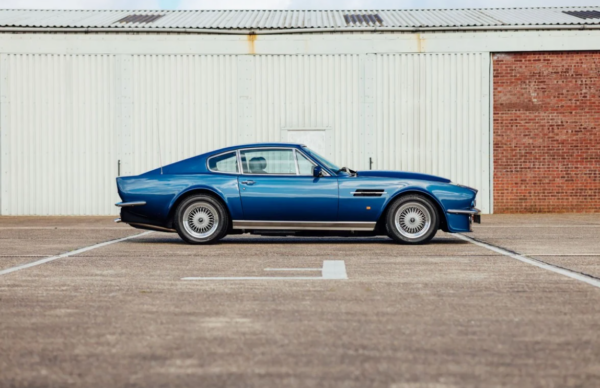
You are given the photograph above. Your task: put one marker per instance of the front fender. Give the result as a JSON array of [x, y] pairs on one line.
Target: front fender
[[417, 190], [446, 197]]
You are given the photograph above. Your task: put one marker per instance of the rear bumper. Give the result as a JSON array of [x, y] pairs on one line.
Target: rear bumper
[[128, 216], [129, 204]]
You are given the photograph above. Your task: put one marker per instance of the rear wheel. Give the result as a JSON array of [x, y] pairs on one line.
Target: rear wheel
[[201, 219], [412, 219]]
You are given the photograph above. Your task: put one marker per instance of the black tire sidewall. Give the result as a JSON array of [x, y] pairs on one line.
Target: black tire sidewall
[[391, 224], [223, 220]]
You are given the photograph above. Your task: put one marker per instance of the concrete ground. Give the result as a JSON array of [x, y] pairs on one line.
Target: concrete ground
[[447, 314]]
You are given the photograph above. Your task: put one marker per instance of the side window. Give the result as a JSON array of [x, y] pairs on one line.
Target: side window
[[264, 161], [224, 163], [305, 166]]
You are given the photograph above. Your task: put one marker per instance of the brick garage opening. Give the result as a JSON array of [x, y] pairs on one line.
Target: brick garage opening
[[547, 132]]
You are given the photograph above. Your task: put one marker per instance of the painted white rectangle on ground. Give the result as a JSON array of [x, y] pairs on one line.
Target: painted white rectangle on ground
[[331, 270]]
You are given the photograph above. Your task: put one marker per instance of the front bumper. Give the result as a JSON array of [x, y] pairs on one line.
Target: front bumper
[[473, 213]]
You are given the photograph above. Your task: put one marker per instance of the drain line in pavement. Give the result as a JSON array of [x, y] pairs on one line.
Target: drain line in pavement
[[67, 254], [582, 277]]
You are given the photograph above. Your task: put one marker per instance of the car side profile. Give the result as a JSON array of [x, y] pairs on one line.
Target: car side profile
[[288, 189]]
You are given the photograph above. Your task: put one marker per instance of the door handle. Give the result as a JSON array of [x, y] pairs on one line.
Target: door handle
[[249, 183]]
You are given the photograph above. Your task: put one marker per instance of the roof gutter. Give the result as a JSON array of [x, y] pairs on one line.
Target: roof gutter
[[298, 30]]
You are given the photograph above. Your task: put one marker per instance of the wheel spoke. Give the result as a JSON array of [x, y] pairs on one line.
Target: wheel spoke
[[413, 220], [200, 220]]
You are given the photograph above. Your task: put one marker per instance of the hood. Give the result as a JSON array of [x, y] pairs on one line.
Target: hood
[[403, 175]]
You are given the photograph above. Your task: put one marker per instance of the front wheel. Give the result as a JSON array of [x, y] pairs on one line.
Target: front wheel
[[201, 219], [412, 219]]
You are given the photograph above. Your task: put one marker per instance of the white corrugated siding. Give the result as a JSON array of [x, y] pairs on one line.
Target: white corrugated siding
[[67, 120], [430, 114], [311, 91], [189, 102], [195, 104], [58, 134]]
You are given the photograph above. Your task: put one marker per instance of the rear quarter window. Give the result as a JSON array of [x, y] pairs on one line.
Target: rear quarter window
[[226, 163]]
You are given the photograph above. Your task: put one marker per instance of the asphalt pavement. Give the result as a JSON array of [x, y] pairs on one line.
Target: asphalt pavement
[[448, 314]]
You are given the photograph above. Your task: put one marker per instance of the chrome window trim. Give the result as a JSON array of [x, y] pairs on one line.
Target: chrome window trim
[[296, 162], [240, 165], [263, 148], [294, 150], [239, 157], [223, 172], [325, 170]]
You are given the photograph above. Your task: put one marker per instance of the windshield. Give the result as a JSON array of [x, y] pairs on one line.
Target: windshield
[[322, 160]]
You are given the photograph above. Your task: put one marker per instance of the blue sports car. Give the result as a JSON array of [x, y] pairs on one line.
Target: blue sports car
[[288, 189]]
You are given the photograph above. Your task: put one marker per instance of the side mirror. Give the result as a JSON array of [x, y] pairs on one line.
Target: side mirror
[[317, 171]]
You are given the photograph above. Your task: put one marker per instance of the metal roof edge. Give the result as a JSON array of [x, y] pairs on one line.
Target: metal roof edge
[[290, 10], [275, 31]]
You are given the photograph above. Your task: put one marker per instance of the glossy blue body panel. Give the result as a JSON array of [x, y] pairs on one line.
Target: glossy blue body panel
[[289, 198], [162, 191]]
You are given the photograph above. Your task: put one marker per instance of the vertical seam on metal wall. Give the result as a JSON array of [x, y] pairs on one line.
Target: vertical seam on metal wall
[[127, 113], [3, 132], [491, 129]]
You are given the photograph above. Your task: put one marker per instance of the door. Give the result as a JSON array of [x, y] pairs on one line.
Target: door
[[277, 185]]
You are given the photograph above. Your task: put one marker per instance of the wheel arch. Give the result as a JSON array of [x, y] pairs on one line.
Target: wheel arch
[[197, 191], [438, 207]]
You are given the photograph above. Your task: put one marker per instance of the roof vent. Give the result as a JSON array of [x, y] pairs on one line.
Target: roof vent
[[139, 18], [594, 14], [370, 19]]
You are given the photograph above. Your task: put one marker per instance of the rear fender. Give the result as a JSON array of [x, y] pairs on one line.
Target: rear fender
[[196, 190]]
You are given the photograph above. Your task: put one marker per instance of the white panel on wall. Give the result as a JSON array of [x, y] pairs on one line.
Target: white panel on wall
[[432, 116], [311, 91], [66, 120], [58, 134], [188, 103], [195, 104]]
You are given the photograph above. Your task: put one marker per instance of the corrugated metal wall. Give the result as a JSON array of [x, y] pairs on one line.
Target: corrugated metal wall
[[189, 103], [58, 144], [430, 113], [67, 120]]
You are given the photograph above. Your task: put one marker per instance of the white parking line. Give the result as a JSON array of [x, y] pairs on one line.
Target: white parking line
[[549, 267], [562, 254], [72, 253], [293, 269], [332, 270]]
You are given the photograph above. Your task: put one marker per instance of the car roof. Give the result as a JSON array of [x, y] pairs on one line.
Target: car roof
[[256, 145]]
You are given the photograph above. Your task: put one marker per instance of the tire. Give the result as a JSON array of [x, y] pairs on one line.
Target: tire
[[201, 219], [412, 219]]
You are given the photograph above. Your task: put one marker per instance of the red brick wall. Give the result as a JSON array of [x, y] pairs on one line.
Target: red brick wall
[[547, 132]]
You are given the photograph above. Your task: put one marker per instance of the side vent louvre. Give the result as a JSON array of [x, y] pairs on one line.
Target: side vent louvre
[[368, 193]]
